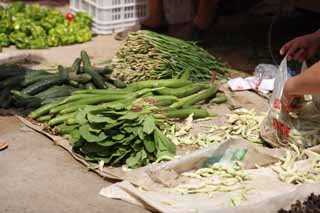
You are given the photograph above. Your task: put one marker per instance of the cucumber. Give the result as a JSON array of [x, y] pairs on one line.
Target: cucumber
[[103, 91], [96, 78], [76, 66], [65, 129], [30, 79], [81, 78], [219, 99], [60, 119], [184, 113], [171, 83], [88, 101], [195, 98], [51, 100], [5, 98], [77, 97], [89, 86], [44, 118], [43, 85], [185, 75], [43, 110], [71, 109], [10, 70], [182, 91], [117, 83], [11, 81], [163, 100], [107, 70], [56, 91]]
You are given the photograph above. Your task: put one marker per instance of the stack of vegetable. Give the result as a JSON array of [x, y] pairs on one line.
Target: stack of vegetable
[[22, 87], [118, 133], [117, 126], [31, 26], [179, 102], [148, 55]]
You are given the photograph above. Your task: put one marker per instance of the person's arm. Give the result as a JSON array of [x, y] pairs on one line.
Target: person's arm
[[307, 82], [301, 47]]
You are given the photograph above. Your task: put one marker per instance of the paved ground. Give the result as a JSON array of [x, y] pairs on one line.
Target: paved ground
[[36, 176]]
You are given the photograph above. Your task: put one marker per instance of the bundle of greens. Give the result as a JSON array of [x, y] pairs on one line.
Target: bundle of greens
[[148, 55], [35, 27], [118, 133]]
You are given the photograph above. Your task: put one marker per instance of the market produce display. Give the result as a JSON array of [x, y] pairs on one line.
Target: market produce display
[[289, 172], [312, 204], [119, 126], [148, 55], [218, 177], [27, 88], [241, 123], [35, 27]]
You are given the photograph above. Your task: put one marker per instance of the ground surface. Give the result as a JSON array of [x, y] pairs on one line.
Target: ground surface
[[36, 176]]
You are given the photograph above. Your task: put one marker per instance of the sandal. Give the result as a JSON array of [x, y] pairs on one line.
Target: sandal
[[3, 146]]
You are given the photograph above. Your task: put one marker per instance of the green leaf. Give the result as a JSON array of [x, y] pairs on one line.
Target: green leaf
[[110, 126], [149, 124], [130, 116], [81, 117], [118, 137], [100, 119], [149, 145], [163, 143], [93, 166], [75, 135], [140, 133], [88, 136], [133, 160], [107, 143]]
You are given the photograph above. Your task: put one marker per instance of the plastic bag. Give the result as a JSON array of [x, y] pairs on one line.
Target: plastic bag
[[303, 128]]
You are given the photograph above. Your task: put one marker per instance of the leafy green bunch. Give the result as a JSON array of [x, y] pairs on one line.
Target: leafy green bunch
[[118, 134], [36, 27]]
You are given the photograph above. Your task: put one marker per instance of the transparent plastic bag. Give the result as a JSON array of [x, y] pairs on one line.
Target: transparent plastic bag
[[303, 128]]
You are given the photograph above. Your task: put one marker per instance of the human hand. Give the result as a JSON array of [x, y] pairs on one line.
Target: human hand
[[301, 47], [289, 101]]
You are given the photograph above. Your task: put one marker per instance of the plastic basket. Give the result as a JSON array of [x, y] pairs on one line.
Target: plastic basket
[[112, 15]]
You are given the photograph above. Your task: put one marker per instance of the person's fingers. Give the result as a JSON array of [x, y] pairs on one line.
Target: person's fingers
[[300, 55], [292, 50], [285, 48]]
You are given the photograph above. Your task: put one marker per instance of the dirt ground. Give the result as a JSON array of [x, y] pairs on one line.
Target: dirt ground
[[36, 176]]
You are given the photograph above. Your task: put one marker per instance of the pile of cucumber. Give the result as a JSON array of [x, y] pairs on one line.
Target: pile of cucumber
[[25, 88], [177, 98]]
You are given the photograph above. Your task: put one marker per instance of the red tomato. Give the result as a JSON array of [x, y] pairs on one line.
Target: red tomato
[[69, 16]]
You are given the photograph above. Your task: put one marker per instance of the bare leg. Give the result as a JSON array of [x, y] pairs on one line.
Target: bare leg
[[155, 14]]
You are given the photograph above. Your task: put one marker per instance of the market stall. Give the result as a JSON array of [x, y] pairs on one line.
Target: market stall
[[161, 118]]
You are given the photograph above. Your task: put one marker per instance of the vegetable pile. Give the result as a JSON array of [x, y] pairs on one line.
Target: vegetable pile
[[289, 172], [242, 123], [218, 177], [35, 27], [23, 87], [147, 90], [118, 133], [104, 123], [148, 55], [312, 204]]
